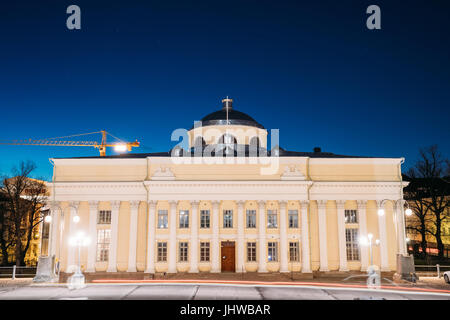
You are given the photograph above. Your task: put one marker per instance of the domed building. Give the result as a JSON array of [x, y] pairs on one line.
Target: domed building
[[222, 200]]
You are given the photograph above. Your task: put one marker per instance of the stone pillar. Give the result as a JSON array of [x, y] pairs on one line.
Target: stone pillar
[[401, 233], [363, 233], [112, 261], [383, 239], [340, 205], [132, 246], [240, 237], [262, 259], [322, 205], [306, 261], [173, 237], [215, 245], [54, 227], [283, 238], [194, 237], [151, 237], [93, 209], [73, 206]]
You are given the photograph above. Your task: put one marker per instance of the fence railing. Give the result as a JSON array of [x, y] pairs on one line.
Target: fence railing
[[431, 270], [14, 272]]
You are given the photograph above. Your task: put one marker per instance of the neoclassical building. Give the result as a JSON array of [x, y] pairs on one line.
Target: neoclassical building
[[222, 200]]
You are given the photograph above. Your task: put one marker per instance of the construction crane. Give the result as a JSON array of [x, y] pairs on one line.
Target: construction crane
[[120, 146]]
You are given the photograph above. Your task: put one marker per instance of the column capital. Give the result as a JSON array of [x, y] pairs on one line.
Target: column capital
[[322, 204], [134, 204], [115, 204], [173, 202], [74, 204], [215, 204], [361, 204], [195, 203], [304, 203], [261, 203], [152, 203], [340, 204], [240, 203], [282, 204], [93, 204]]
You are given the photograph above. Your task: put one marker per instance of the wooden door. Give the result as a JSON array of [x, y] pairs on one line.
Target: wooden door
[[228, 256]]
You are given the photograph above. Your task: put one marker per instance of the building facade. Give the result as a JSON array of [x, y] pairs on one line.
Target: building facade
[[224, 201]]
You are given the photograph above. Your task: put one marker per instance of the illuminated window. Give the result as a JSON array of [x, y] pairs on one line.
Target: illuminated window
[[293, 251], [251, 219], [183, 252], [104, 217], [103, 241], [204, 219], [272, 219], [162, 252], [228, 218], [184, 219], [352, 245], [293, 218], [251, 251], [204, 251], [351, 216], [272, 251], [162, 219]]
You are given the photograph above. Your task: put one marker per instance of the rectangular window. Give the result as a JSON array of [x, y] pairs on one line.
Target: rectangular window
[[204, 251], [272, 219], [351, 216], [204, 219], [184, 219], [228, 218], [294, 251], [272, 251], [104, 217], [183, 252], [162, 252], [103, 240], [293, 218], [251, 251], [351, 241], [251, 219], [163, 221]]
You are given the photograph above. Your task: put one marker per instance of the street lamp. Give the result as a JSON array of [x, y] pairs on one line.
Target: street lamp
[[367, 241], [373, 276], [77, 280]]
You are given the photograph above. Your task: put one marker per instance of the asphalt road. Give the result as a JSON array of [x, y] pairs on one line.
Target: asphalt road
[[207, 292]]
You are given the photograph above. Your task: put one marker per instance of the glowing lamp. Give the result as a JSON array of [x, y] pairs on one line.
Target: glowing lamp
[[408, 212], [48, 219]]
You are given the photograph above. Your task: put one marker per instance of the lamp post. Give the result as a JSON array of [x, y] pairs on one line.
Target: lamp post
[[77, 280], [374, 278]]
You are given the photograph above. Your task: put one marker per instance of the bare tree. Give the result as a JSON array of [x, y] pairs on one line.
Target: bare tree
[[429, 173], [25, 199], [5, 240]]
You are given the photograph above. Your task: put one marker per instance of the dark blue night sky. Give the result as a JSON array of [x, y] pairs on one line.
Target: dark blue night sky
[[141, 69]]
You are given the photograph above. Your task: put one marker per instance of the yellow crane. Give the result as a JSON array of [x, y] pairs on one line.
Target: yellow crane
[[120, 146]]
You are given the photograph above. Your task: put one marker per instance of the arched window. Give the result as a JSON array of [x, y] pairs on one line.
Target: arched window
[[254, 147], [229, 144], [199, 142], [227, 139]]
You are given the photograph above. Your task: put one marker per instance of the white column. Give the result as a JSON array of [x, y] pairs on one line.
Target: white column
[[306, 261], [112, 261], [215, 245], [151, 237], [322, 205], [401, 232], [173, 237], [194, 237], [93, 207], [72, 230], [132, 246], [383, 239], [240, 236], [262, 259], [363, 233], [340, 205], [53, 232], [283, 238]]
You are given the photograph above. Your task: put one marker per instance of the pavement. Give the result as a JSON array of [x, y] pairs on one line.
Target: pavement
[[179, 289]]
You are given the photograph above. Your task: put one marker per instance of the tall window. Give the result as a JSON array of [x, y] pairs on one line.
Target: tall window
[[293, 251], [104, 217], [162, 252], [251, 251], [204, 251], [272, 251], [228, 218], [184, 218], [183, 252], [351, 216], [162, 219], [251, 219], [271, 218], [103, 240], [293, 218], [351, 239], [204, 219]]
